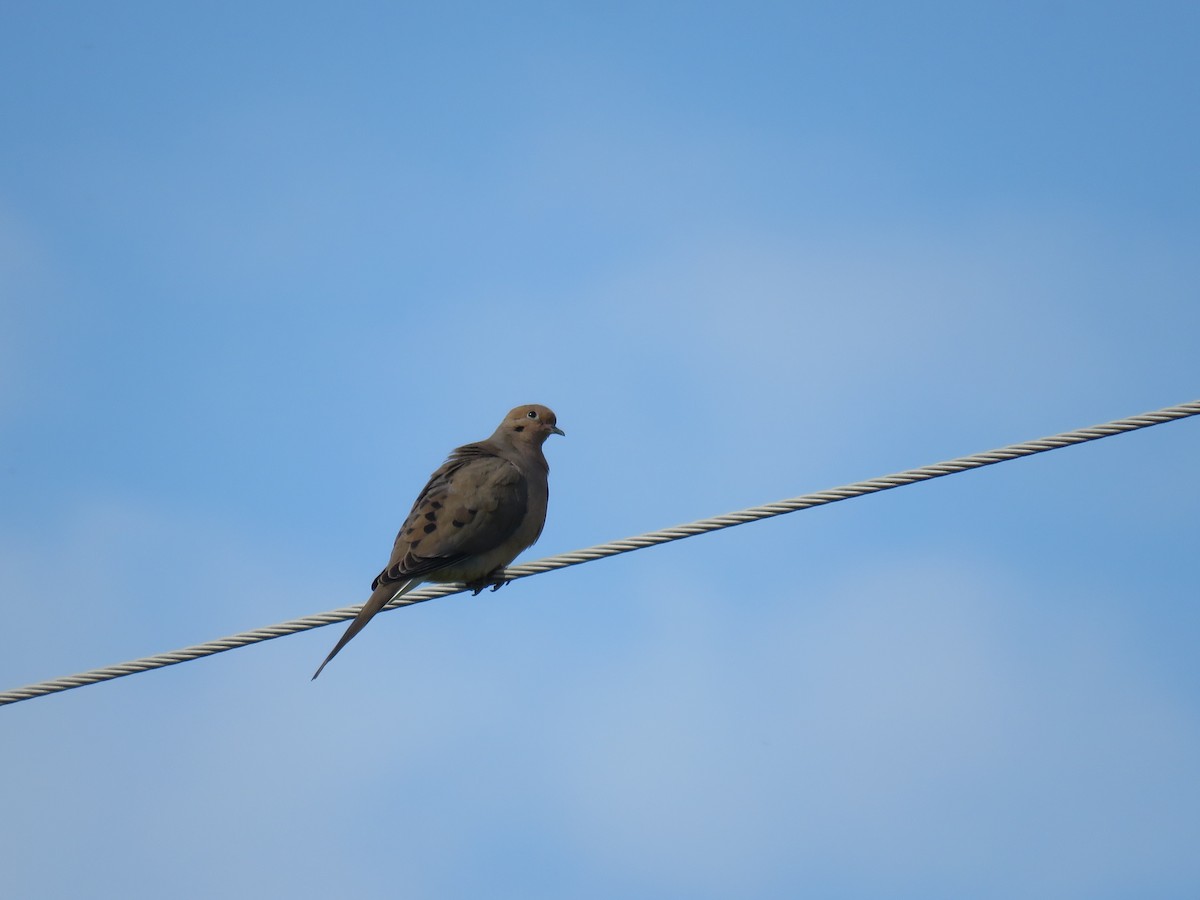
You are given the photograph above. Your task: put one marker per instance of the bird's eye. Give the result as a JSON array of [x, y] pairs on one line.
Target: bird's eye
[[532, 414]]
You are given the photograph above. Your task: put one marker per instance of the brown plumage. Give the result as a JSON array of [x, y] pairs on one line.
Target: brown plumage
[[484, 505]]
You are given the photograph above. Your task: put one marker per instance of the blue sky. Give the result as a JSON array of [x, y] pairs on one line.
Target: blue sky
[[262, 266]]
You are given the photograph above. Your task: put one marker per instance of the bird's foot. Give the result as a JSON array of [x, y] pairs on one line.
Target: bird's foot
[[495, 581]]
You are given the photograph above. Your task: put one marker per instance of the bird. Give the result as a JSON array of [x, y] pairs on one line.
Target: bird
[[482, 507]]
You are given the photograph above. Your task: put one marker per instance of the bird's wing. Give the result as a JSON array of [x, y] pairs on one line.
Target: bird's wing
[[471, 506]]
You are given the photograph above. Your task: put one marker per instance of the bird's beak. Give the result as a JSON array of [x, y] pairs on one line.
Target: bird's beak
[[554, 429]]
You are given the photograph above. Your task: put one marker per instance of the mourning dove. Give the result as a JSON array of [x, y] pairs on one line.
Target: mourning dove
[[484, 505]]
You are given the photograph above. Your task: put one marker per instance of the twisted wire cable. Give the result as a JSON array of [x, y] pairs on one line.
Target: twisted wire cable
[[625, 545]]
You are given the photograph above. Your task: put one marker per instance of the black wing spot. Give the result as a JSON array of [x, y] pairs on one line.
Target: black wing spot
[[458, 524], [430, 528], [431, 516]]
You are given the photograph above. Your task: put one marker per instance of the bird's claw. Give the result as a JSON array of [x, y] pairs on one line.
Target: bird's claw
[[478, 587]]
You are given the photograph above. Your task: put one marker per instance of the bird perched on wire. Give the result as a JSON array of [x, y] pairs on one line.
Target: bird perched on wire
[[484, 505]]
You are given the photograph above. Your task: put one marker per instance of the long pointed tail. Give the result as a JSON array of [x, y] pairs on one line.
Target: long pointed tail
[[382, 596]]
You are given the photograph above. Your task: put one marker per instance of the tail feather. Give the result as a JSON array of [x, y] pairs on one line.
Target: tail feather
[[382, 596]]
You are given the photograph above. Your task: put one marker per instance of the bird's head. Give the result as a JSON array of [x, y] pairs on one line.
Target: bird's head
[[531, 423]]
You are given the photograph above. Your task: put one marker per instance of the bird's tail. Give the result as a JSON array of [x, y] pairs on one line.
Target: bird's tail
[[383, 595]]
